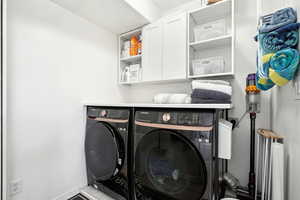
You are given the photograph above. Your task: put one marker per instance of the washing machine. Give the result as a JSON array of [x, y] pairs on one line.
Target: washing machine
[[174, 155], [106, 150]]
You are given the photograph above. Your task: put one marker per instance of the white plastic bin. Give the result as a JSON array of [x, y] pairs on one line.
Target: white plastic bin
[[225, 139], [126, 44], [125, 53], [210, 30], [212, 65], [135, 72]]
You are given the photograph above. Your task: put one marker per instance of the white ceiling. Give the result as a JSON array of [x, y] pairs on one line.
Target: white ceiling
[[114, 15], [165, 5]]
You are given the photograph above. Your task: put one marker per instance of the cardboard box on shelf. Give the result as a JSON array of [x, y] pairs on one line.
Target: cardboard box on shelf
[[212, 1]]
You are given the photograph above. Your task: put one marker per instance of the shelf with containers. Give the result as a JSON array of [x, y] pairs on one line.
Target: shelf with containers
[[130, 57], [211, 41]]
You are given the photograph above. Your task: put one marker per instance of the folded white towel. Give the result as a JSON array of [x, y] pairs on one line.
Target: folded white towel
[[210, 86], [220, 82], [160, 98], [172, 99]]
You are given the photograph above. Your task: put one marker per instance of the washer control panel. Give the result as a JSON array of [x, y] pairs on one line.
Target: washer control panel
[[203, 118], [188, 119]]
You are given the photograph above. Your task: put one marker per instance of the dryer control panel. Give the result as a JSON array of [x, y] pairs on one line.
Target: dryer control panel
[[203, 118], [95, 112]]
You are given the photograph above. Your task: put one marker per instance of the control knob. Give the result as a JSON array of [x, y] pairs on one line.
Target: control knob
[[103, 113], [166, 117]]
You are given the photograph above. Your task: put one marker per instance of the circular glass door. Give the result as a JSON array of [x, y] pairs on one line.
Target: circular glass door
[[168, 166], [102, 151]]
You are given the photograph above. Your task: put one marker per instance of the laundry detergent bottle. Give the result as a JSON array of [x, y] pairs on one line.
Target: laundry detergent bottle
[[134, 46]]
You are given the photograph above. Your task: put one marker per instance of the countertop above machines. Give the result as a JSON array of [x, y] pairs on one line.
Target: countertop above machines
[[149, 105]]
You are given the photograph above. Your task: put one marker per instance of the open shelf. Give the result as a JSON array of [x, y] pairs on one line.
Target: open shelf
[[210, 43], [129, 83], [129, 62], [221, 8], [131, 59], [222, 16], [185, 80]]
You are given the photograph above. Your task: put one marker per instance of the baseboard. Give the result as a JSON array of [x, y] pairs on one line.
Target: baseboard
[[70, 193]]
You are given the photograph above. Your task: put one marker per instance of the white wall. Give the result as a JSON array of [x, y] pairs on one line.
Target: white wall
[[286, 117], [4, 101], [55, 61], [245, 63], [246, 19], [285, 121]]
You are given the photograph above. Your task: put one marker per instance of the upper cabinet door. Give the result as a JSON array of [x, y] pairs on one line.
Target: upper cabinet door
[[152, 52], [175, 47]]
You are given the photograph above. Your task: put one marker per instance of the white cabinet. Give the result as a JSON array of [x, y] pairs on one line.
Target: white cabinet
[[175, 47], [152, 52], [164, 50]]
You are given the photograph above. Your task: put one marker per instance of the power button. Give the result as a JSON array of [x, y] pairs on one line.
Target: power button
[[103, 113], [166, 117]]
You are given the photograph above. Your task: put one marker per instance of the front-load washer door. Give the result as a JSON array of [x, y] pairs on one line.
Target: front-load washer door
[[168, 166], [103, 154]]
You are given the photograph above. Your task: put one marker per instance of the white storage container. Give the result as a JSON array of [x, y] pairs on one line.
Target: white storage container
[[135, 72], [225, 139], [204, 2], [212, 65], [210, 30], [126, 44], [125, 53], [125, 75]]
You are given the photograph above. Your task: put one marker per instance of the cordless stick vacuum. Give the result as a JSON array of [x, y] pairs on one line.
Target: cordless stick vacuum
[[253, 107]]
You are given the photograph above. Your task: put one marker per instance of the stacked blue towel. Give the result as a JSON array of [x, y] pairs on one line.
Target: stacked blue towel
[[277, 58], [278, 19], [284, 37]]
